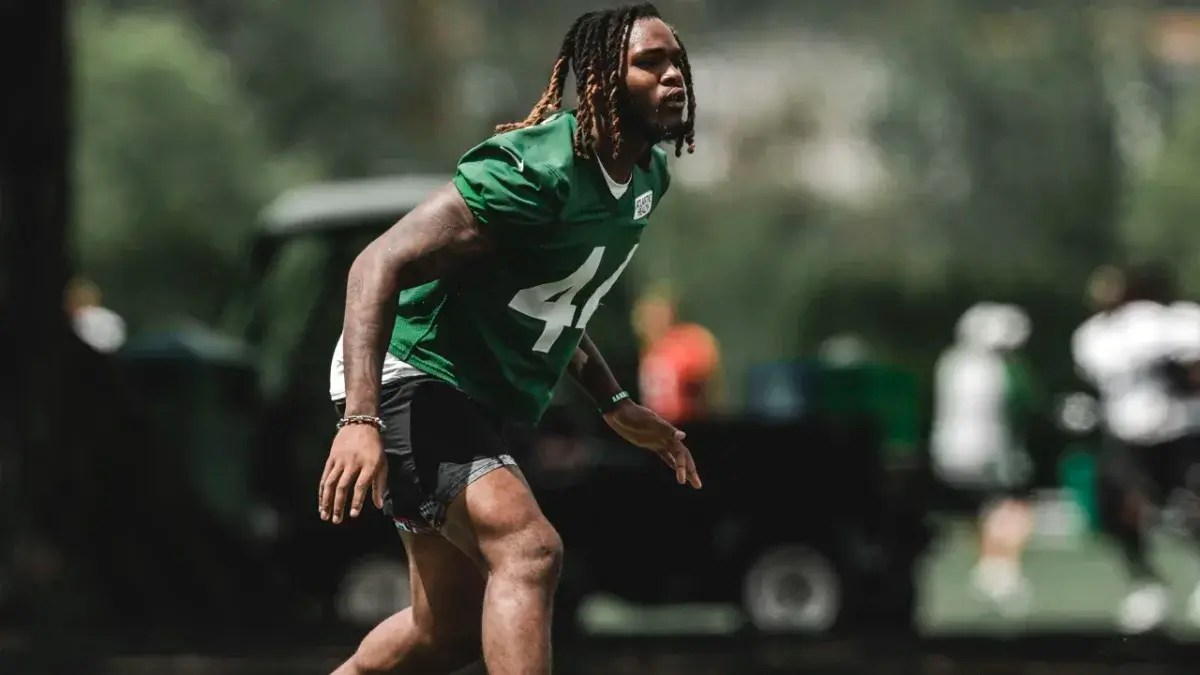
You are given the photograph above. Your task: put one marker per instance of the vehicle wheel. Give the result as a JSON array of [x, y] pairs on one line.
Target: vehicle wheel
[[372, 589], [792, 589]]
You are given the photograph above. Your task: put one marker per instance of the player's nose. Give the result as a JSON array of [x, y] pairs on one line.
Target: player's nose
[[672, 78]]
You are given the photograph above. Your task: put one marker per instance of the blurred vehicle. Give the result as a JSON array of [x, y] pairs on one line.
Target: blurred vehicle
[[795, 526], [241, 406]]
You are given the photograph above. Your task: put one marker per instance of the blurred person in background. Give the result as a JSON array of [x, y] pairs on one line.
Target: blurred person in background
[[678, 373], [96, 325], [1141, 353], [462, 318], [983, 401]]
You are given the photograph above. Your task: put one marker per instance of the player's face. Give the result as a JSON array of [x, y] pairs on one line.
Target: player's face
[[656, 98]]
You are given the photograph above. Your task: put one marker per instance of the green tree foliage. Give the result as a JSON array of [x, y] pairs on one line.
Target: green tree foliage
[[1164, 217], [369, 87], [170, 167], [1004, 176], [1002, 134]]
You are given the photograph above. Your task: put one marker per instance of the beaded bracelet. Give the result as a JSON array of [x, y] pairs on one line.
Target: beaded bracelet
[[363, 419]]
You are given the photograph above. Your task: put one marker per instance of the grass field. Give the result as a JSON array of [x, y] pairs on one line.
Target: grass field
[[1077, 585]]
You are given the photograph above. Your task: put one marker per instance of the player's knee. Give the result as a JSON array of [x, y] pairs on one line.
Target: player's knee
[[451, 635], [371, 661], [535, 555], [445, 649], [383, 653], [541, 558], [450, 650]]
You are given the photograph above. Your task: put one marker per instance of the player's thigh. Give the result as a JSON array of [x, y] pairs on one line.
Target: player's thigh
[[475, 495], [497, 518], [447, 588], [438, 441]]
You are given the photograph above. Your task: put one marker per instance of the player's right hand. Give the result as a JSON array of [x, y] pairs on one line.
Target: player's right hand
[[356, 461]]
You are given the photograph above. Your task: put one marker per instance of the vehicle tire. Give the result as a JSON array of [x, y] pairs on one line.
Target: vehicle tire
[[792, 588]]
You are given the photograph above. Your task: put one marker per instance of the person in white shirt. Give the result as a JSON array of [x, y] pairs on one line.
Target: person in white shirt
[[96, 325], [1141, 355], [982, 399]]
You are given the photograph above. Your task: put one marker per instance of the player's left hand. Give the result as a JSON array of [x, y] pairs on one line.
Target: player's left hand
[[644, 428]]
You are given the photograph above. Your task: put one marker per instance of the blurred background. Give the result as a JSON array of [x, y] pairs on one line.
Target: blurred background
[[863, 299]]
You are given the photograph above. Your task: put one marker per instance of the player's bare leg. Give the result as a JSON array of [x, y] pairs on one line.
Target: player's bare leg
[[439, 633], [498, 517], [1125, 511], [1005, 529]]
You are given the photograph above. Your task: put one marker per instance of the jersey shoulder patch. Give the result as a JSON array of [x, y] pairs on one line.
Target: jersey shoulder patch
[[643, 205]]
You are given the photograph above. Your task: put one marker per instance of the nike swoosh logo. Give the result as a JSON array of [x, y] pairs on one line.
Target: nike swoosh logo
[[520, 160]]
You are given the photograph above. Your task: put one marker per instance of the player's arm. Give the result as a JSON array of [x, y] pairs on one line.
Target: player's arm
[[635, 423], [432, 240], [592, 373]]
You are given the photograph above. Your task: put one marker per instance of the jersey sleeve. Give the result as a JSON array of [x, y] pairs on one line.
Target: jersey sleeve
[[509, 195]]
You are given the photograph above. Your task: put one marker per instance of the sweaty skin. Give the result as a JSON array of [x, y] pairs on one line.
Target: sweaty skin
[[497, 555]]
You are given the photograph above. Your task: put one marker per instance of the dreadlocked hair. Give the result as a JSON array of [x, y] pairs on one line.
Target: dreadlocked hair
[[594, 48]]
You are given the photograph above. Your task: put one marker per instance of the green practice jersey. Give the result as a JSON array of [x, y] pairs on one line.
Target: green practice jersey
[[504, 329]]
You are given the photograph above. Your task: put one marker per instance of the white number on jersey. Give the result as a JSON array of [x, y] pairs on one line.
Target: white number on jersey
[[553, 302]]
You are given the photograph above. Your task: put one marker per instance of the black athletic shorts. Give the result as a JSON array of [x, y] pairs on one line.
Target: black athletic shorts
[[438, 440]]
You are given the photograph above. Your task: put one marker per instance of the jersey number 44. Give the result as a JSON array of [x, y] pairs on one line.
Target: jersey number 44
[[554, 302]]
